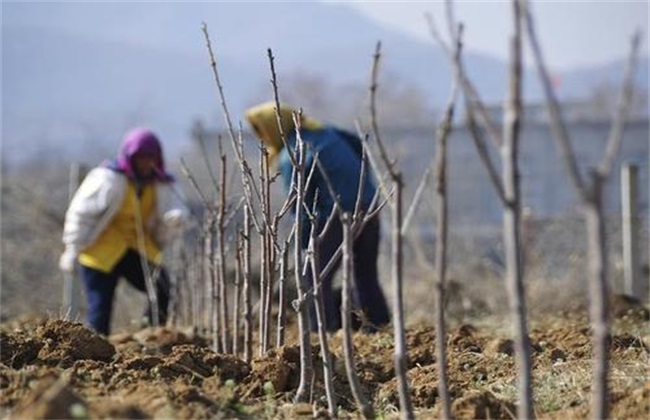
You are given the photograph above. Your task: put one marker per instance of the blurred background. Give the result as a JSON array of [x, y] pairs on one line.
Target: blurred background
[[77, 75]]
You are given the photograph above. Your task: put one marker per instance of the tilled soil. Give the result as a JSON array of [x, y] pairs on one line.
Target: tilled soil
[[58, 369]]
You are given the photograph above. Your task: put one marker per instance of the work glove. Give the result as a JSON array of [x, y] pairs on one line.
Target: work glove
[[68, 259], [171, 226], [174, 219]]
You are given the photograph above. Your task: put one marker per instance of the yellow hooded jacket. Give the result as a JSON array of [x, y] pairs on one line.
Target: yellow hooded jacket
[[264, 121]]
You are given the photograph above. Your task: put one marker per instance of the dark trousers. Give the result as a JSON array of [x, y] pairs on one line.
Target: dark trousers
[[100, 290], [367, 295]]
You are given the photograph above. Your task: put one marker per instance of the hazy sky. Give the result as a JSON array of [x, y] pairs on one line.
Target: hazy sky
[[573, 33]]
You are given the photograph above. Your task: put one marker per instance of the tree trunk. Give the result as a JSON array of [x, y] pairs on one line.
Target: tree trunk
[[363, 404], [441, 266], [406, 409], [599, 295], [306, 365], [321, 320]]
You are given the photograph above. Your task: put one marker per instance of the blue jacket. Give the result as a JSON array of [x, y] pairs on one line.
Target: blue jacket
[[339, 154]]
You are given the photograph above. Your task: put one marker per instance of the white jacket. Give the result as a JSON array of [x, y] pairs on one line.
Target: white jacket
[[98, 199]]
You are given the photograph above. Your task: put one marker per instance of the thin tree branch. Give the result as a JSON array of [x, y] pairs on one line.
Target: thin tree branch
[[276, 98], [624, 102], [400, 354], [188, 174], [470, 92], [416, 199], [558, 126], [247, 178]]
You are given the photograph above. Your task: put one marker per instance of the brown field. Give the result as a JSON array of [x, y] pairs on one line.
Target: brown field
[[57, 369]]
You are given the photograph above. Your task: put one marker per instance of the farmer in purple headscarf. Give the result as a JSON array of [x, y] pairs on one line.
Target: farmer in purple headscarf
[[118, 222]]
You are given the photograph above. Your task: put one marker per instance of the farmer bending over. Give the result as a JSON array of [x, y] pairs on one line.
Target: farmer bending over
[[340, 156], [117, 224]]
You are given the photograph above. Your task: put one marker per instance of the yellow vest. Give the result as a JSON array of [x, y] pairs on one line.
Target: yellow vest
[[120, 234]]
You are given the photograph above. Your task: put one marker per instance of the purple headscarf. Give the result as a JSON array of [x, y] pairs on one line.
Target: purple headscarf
[[142, 141]]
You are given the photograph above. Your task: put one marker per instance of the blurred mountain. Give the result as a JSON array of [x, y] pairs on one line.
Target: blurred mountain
[[76, 75], [584, 82]]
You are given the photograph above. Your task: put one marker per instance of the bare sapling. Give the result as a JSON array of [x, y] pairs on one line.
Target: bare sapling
[[512, 221], [507, 187], [176, 272], [282, 310], [211, 278], [363, 403], [442, 224], [302, 301], [251, 191], [265, 261], [174, 316], [200, 293], [355, 223], [190, 287], [590, 191], [246, 272], [272, 248], [237, 295], [351, 225], [186, 284], [297, 196], [283, 251], [149, 279], [189, 299], [406, 408], [268, 229], [252, 194], [218, 216], [220, 266], [71, 292], [317, 297], [214, 251], [215, 226], [209, 268], [203, 314]]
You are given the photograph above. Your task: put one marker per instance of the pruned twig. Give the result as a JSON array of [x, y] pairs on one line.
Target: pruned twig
[[400, 355], [444, 129], [363, 403]]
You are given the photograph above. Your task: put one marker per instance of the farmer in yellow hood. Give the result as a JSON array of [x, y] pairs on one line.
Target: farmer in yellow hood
[[340, 155]]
